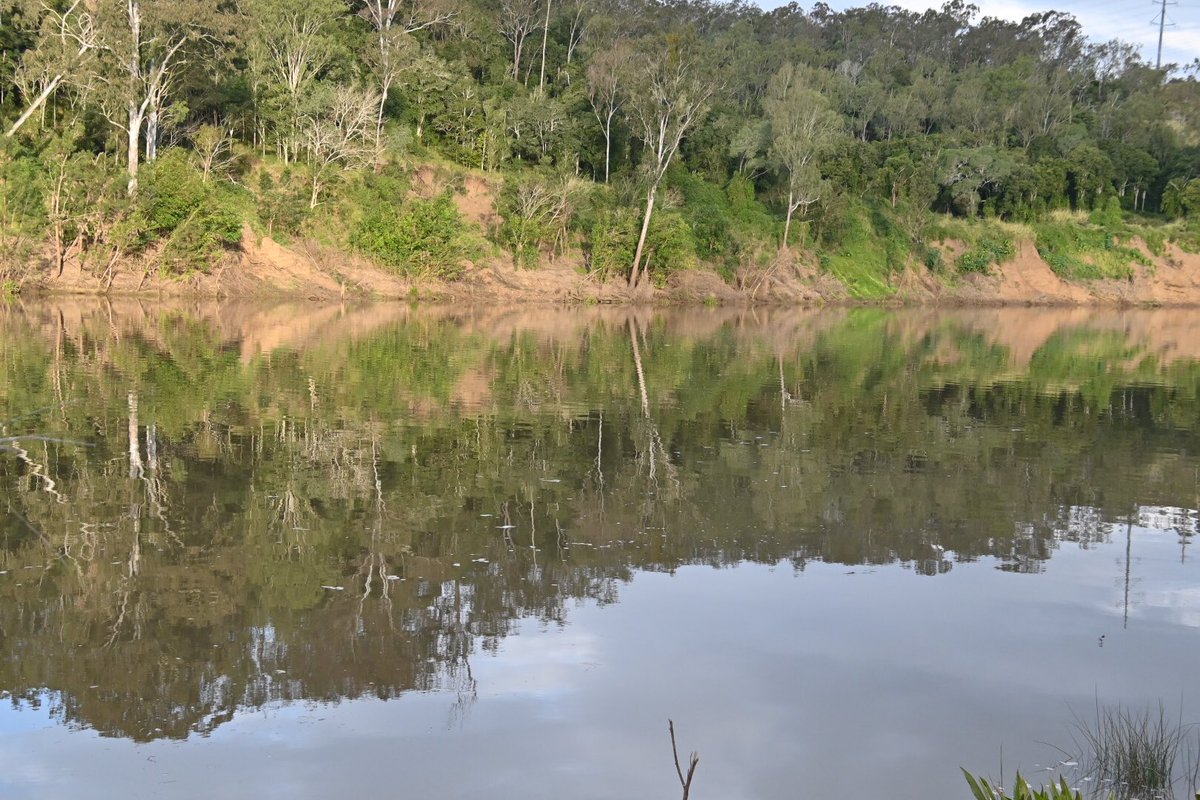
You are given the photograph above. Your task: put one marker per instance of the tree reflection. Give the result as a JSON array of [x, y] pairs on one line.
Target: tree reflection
[[202, 527]]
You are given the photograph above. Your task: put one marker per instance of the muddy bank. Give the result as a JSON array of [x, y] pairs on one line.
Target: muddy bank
[[261, 267]]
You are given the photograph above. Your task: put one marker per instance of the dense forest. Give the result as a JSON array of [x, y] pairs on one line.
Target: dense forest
[[643, 135]]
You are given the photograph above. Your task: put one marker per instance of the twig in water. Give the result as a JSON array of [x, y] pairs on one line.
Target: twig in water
[[693, 761]]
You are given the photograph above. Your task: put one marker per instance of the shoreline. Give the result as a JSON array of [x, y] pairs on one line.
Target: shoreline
[[261, 268]]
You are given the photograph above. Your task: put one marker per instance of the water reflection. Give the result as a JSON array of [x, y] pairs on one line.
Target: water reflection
[[234, 507]]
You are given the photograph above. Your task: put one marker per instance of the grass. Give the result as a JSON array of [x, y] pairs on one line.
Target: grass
[[1079, 251], [1139, 754]]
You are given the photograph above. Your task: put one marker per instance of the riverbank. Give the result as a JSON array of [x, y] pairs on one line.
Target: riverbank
[[261, 267]]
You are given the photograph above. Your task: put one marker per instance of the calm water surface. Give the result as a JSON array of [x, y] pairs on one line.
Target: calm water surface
[[309, 551]]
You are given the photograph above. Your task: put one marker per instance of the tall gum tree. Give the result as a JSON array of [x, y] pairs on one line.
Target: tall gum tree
[[141, 44], [803, 128], [393, 22], [669, 93], [66, 40]]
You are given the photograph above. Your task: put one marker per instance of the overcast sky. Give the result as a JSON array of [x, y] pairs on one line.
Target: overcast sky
[[1128, 20]]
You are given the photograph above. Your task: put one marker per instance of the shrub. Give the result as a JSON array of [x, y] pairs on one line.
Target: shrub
[[990, 249], [178, 206], [611, 243], [424, 237]]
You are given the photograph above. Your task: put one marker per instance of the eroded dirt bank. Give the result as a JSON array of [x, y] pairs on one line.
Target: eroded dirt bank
[[263, 268]]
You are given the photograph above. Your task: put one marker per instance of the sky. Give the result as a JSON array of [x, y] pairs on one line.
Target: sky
[[1128, 20]]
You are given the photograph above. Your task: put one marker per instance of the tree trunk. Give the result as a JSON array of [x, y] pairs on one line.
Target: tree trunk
[[607, 144], [35, 105], [134, 131], [787, 223], [634, 276], [545, 37], [152, 132]]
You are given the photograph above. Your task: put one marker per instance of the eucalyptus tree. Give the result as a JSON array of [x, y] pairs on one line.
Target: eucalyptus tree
[[65, 40], [141, 47], [292, 44], [393, 22], [803, 128], [669, 93], [606, 71], [518, 19]]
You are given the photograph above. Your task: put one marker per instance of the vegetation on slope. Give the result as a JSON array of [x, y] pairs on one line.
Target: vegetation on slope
[[644, 136]]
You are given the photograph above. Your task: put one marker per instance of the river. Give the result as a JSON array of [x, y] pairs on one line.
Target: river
[[310, 551]]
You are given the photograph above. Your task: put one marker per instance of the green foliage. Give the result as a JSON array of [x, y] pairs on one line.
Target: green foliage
[[991, 248], [282, 202], [865, 247], [420, 237], [1084, 252], [611, 243], [982, 789], [195, 222], [22, 215], [670, 245], [536, 212]]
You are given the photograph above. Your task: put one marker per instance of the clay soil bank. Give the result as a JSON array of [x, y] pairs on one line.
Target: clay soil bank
[[263, 268]]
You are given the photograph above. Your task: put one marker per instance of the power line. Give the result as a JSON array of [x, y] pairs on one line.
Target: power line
[[1162, 25]]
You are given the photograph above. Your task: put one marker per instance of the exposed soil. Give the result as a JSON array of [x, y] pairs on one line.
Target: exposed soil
[[262, 267]]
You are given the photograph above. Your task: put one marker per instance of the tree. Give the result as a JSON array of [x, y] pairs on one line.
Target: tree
[[141, 46], [668, 95], [340, 136], [292, 45], [605, 73], [67, 39], [518, 18], [394, 22], [803, 128]]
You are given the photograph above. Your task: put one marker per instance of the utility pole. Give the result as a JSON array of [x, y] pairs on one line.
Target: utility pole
[[1162, 24]]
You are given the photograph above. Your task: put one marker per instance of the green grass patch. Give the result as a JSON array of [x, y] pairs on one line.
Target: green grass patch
[[867, 247], [1078, 251]]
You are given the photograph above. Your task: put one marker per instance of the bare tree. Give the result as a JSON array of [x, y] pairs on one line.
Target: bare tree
[[668, 95], [213, 146], [518, 18], [342, 137], [693, 762]]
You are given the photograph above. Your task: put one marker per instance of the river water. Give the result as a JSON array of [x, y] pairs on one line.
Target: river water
[[306, 552]]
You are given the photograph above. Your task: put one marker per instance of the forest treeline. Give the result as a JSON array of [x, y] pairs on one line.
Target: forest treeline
[[645, 135]]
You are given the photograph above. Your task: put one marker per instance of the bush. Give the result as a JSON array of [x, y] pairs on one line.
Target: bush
[[611, 243], [176, 205], [283, 204], [990, 249], [425, 237]]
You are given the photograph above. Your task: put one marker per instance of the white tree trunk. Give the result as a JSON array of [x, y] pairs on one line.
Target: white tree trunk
[[35, 105], [787, 223], [634, 276], [133, 131], [545, 37]]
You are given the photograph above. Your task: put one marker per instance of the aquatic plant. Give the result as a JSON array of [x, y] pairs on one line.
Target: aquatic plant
[[1139, 754], [983, 789]]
